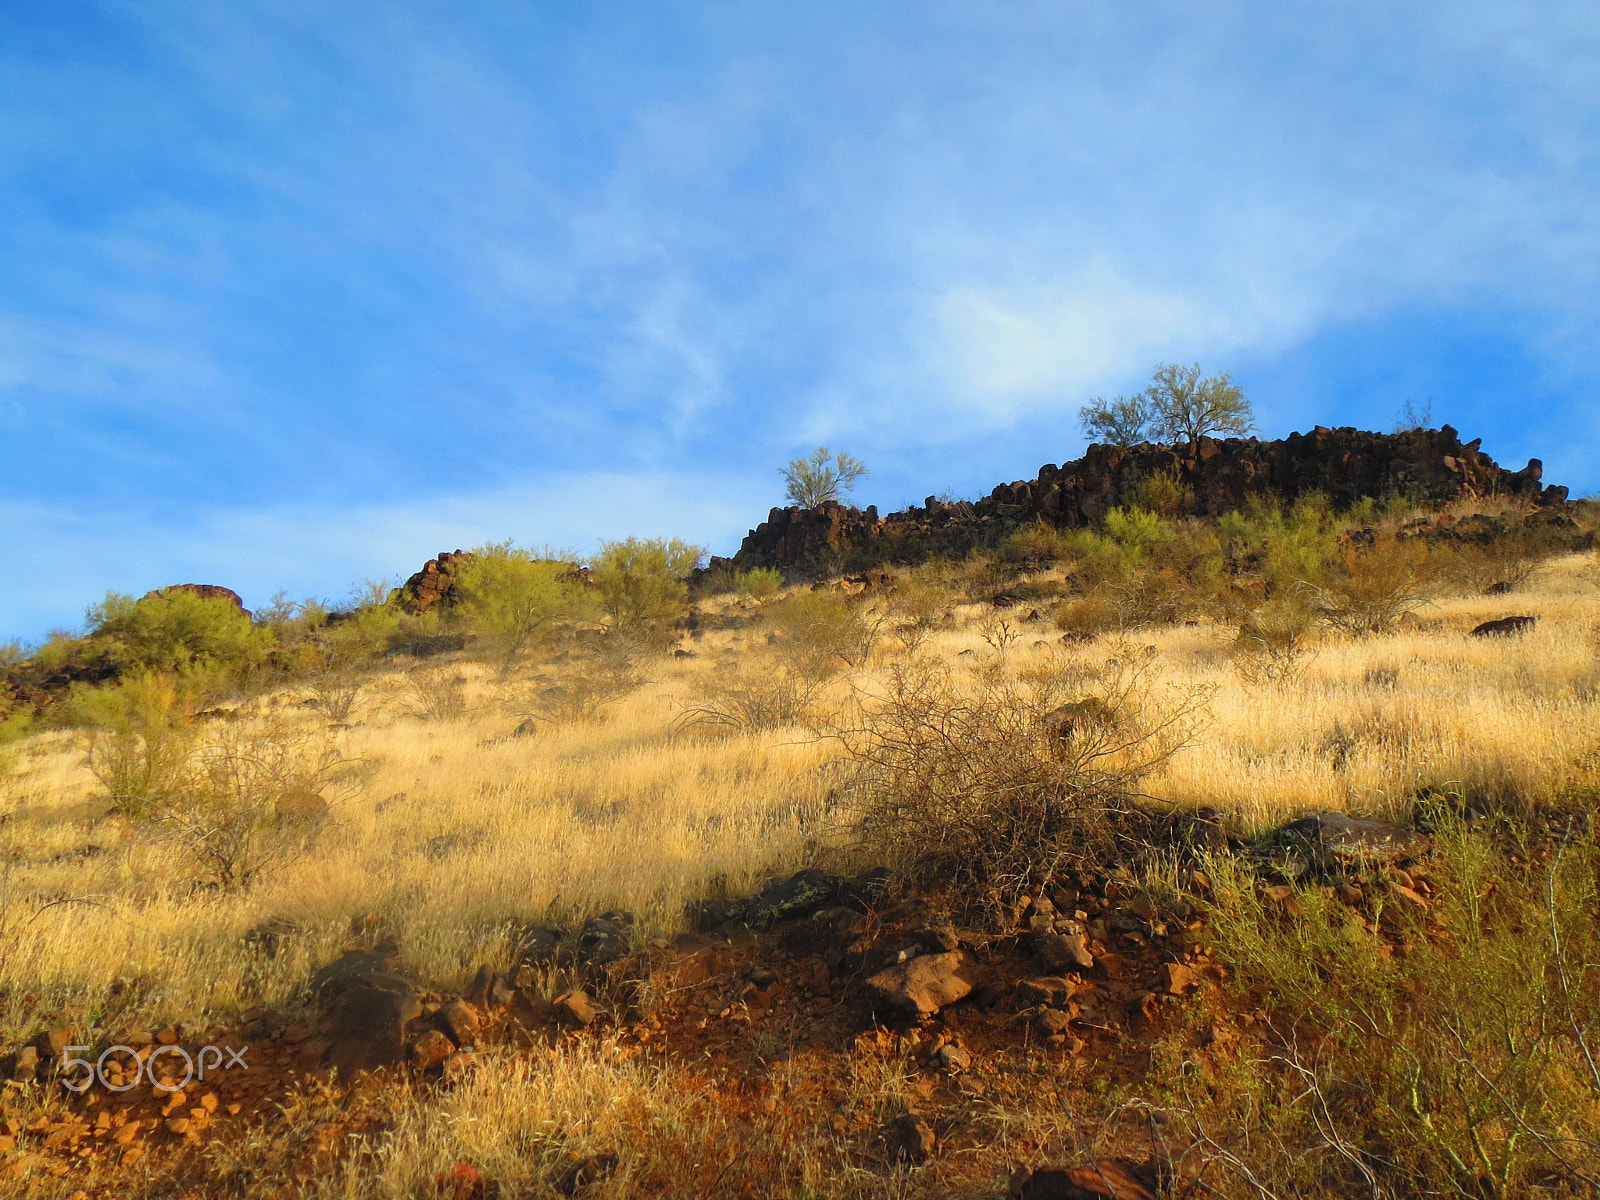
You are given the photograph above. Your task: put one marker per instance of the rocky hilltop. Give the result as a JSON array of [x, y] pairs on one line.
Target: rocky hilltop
[[1430, 465]]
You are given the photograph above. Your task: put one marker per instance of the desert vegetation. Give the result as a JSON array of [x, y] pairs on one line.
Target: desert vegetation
[[668, 834]]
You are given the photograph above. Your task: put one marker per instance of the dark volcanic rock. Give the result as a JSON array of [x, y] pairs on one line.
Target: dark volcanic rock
[[206, 591], [1504, 627], [1347, 839], [798, 896], [1346, 464]]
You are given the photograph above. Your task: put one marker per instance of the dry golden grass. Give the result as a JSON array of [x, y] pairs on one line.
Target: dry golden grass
[[464, 828]]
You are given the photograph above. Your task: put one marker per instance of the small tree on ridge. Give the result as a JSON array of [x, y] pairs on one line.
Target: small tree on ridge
[[821, 477]]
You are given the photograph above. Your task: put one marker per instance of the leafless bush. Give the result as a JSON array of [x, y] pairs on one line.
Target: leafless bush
[[1376, 587], [975, 780], [996, 627], [1274, 643], [254, 797], [780, 687], [336, 691], [582, 691], [437, 693]]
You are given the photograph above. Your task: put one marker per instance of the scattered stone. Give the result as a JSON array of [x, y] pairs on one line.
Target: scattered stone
[[1052, 1021], [910, 1139], [1048, 989], [300, 806], [924, 984], [1354, 840], [1505, 627], [539, 945], [605, 939], [1063, 951], [270, 936], [584, 1171], [1111, 1180], [460, 1020], [575, 1009], [25, 1065], [1070, 721], [461, 1182], [477, 993], [430, 1050], [1179, 978], [935, 939]]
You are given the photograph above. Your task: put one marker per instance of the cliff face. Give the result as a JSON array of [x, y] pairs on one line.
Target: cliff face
[[1431, 465]]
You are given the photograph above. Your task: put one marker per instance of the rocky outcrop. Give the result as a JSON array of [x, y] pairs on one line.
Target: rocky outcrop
[[1432, 465], [206, 591], [431, 586]]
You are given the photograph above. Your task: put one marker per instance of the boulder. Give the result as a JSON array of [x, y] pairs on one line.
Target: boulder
[[1063, 951], [1505, 627], [925, 984], [351, 970], [1349, 840], [369, 1028], [798, 896], [430, 1050], [909, 1139], [460, 1020], [1110, 1180]]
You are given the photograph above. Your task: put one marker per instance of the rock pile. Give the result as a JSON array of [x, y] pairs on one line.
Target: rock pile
[[1432, 465], [432, 585]]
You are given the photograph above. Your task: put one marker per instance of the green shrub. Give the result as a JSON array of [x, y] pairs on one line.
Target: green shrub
[[511, 598], [760, 582], [142, 735], [1371, 589], [644, 581], [1445, 1051], [177, 630]]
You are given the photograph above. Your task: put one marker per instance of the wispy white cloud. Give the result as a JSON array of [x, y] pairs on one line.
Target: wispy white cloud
[[329, 252]]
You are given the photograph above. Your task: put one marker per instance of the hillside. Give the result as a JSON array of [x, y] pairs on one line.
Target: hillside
[[1186, 841]]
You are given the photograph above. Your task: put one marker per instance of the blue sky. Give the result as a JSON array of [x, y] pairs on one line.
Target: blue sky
[[297, 294]]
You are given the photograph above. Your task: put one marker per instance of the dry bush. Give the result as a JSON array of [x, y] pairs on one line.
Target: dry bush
[[238, 799], [781, 687], [918, 609], [963, 779], [1376, 587], [582, 691], [826, 625], [336, 691], [1274, 643], [1088, 617], [253, 797], [437, 693], [999, 629]]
